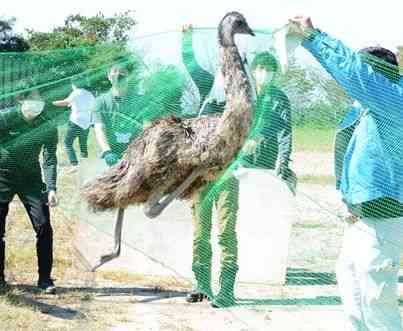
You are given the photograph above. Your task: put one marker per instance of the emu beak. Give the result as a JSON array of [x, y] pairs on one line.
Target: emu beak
[[250, 31]]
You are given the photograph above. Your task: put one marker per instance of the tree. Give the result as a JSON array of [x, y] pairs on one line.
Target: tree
[[400, 56], [315, 97], [83, 45], [82, 31], [9, 41]]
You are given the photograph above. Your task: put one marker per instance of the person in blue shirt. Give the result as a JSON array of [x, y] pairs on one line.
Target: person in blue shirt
[[270, 141], [369, 171]]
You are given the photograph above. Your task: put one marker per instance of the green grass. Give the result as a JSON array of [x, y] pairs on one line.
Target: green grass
[[320, 180], [305, 139], [308, 139], [23, 307], [309, 226]]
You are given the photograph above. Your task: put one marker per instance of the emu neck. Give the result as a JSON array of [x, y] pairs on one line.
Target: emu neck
[[236, 120], [237, 88]]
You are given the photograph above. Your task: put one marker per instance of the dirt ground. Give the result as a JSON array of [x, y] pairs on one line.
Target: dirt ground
[[119, 301]]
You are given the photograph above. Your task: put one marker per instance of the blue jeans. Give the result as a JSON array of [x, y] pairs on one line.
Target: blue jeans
[[73, 132]]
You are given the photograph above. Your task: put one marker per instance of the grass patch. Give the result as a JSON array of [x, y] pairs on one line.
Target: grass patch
[[308, 139], [309, 226], [320, 180], [23, 306], [157, 283]]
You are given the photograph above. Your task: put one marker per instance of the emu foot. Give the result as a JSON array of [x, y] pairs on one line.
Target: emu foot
[[106, 258]]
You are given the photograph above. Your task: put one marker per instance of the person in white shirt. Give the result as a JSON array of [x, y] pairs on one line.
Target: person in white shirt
[[82, 104]]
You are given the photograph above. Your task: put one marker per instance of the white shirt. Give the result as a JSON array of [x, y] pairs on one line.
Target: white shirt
[[82, 104]]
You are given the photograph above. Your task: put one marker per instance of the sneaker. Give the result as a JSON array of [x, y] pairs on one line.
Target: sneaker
[[196, 296], [47, 286]]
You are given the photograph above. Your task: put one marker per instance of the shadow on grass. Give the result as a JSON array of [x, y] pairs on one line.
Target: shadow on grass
[[302, 277], [317, 301], [148, 294], [27, 301]]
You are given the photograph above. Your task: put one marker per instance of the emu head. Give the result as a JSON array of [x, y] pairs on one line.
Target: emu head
[[231, 24]]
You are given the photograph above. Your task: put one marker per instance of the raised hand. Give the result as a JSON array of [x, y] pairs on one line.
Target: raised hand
[[187, 27], [302, 25]]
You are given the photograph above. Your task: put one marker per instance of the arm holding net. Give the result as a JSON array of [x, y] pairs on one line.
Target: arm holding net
[[203, 79], [373, 90]]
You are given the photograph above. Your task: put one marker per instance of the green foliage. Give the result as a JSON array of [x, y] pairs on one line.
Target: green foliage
[[163, 91], [102, 57], [82, 45], [9, 41], [400, 57], [311, 139], [81, 31], [315, 97]]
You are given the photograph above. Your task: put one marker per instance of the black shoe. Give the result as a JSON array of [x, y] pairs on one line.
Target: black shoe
[[196, 296], [47, 286]]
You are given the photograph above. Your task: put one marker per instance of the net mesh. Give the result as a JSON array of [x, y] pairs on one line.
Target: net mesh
[[250, 228]]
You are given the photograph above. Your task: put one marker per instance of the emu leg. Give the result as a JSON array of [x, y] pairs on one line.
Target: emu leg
[[154, 207], [117, 241]]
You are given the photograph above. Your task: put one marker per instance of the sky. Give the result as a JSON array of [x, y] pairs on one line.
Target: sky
[[359, 23]]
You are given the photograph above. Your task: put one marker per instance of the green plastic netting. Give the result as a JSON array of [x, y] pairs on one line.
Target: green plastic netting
[[252, 230]]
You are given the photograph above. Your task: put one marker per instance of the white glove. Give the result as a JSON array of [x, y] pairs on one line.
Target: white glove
[[52, 199], [250, 147]]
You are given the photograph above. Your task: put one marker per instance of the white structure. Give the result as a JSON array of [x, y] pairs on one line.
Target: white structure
[[163, 246]]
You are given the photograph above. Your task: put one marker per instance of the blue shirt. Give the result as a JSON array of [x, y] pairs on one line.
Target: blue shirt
[[373, 159]]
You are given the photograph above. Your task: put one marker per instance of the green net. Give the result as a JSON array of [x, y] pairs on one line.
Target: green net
[[114, 127]]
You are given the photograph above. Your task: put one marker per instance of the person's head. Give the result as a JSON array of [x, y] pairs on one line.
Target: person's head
[[119, 76], [79, 82], [383, 61], [264, 68], [30, 100]]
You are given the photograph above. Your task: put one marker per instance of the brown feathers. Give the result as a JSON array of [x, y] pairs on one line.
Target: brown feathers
[[170, 149]]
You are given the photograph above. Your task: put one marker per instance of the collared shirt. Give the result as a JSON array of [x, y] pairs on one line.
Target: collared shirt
[[372, 163], [118, 118]]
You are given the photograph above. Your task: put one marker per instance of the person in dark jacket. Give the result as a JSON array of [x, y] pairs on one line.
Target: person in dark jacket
[[270, 145], [225, 199], [25, 132]]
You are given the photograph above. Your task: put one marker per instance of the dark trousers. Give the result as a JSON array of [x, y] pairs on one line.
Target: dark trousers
[[265, 156], [73, 132], [38, 212]]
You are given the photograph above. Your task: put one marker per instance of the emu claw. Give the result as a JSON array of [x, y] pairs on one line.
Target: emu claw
[[104, 259]]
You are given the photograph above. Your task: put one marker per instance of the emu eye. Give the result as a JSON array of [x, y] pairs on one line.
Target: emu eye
[[240, 23]]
